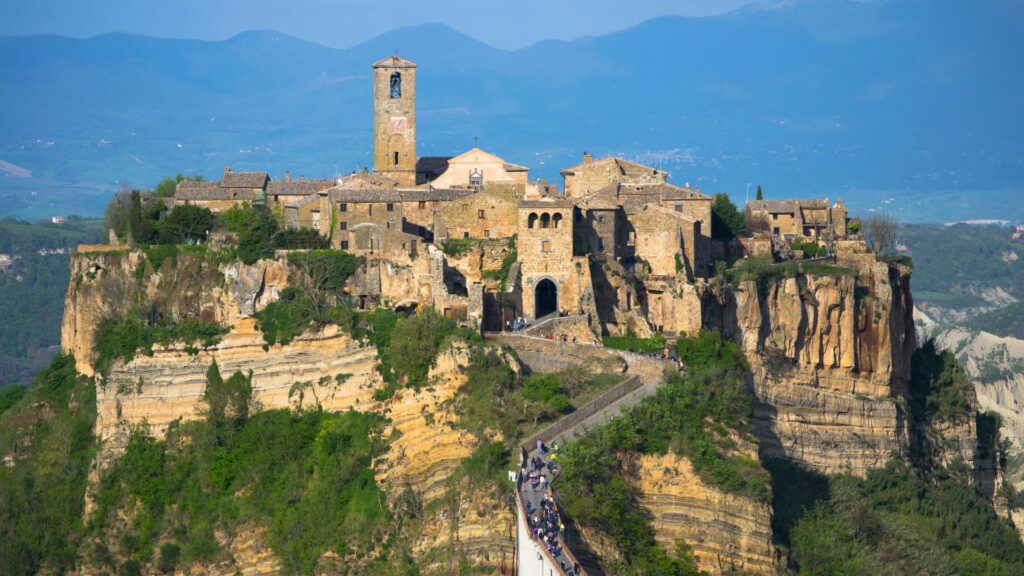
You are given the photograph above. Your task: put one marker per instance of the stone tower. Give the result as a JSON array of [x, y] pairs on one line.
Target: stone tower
[[394, 120], [544, 248]]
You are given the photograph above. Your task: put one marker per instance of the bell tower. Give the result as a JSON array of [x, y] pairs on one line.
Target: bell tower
[[394, 119]]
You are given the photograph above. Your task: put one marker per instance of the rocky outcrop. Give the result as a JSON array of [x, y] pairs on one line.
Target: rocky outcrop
[[726, 533], [831, 361], [331, 369]]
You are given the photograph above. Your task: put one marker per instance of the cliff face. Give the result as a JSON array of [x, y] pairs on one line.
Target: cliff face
[[727, 533], [831, 362]]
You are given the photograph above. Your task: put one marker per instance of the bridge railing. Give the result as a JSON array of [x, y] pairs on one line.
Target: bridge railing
[[580, 415]]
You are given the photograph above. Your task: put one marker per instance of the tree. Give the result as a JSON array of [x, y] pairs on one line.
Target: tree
[[167, 187], [255, 229], [185, 224], [116, 215], [880, 232], [760, 196], [726, 221], [135, 215]]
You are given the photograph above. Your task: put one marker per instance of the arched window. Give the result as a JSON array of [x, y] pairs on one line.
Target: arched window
[[396, 85], [558, 220], [531, 220], [545, 220]]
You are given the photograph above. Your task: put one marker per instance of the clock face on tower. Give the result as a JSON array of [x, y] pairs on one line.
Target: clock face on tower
[[399, 124]]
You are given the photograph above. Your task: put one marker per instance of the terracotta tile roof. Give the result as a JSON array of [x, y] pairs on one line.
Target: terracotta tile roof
[[598, 201], [191, 190], [432, 166], [358, 195], [546, 203], [394, 62], [510, 167], [297, 187], [787, 206], [621, 166], [244, 180]]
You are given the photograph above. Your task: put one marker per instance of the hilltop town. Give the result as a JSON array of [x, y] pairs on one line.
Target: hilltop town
[[443, 366], [617, 245]]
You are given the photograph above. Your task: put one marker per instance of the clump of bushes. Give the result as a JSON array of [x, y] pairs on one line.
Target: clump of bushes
[[691, 415], [286, 318], [306, 476], [121, 339], [939, 389], [632, 343], [810, 248]]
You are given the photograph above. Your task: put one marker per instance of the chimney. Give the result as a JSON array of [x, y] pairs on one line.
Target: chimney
[[287, 176], [587, 158]]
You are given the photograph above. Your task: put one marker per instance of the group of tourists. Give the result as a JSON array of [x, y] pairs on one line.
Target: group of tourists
[[547, 526], [520, 323]]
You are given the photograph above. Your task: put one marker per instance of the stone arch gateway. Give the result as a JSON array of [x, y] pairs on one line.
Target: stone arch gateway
[[545, 298]]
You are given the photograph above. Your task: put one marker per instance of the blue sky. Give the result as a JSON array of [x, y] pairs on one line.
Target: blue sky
[[340, 23]]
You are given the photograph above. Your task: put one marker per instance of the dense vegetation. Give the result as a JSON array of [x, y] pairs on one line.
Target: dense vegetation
[[304, 475], [48, 433], [763, 272], [690, 415], [939, 389], [122, 339], [895, 521], [34, 274], [632, 343], [727, 222]]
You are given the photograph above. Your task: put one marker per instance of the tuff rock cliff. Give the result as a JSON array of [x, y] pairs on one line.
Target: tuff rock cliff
[[831, 360]]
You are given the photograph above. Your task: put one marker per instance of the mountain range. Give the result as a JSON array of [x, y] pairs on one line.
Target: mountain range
[[910, 106]]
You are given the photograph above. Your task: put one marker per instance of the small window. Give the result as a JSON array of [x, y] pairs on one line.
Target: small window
[[679, 207], [369, 209], [343, 207], [480, 214], [465, 234], [343, 225], [545, 246], [600, 218], [557, 220], [422, 205], [344, 244], [396, 158], [775, 216], [487, 233], [391, 207], [531, 220], [396, 85]]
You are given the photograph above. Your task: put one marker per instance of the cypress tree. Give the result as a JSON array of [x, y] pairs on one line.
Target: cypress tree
[[759, 195]]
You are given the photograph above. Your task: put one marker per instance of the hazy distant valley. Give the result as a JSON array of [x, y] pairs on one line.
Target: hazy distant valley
[[831, 98]]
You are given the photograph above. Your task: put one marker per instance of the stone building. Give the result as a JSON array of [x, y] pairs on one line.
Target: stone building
[[591, 175], [487, 214], [478, 168], [792, 219]]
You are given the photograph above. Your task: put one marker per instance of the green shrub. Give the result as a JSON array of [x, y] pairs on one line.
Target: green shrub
[[726, 220], [185, 224], [9, 396], [810, 248], [327, 269], [501, 275], [298, 239], [42, 496], [939, 389], [169, 554], [632, 343], [306, 476], [896, 521], [123, 339], [255, 229], [459, 246], [546, 389], [285, 319]]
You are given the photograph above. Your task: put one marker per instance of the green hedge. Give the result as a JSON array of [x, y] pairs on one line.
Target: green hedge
[[122, 339]]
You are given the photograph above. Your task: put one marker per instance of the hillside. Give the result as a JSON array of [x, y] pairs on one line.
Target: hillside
[[808, 98], [34, 267]]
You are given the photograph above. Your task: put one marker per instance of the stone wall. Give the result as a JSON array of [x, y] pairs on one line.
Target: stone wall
[[488, 214]]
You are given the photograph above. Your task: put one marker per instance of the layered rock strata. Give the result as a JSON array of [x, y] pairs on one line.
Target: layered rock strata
[[726, 533], [831, 361]]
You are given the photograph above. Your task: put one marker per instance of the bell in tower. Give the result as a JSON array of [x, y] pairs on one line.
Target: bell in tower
[[394, 120]]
